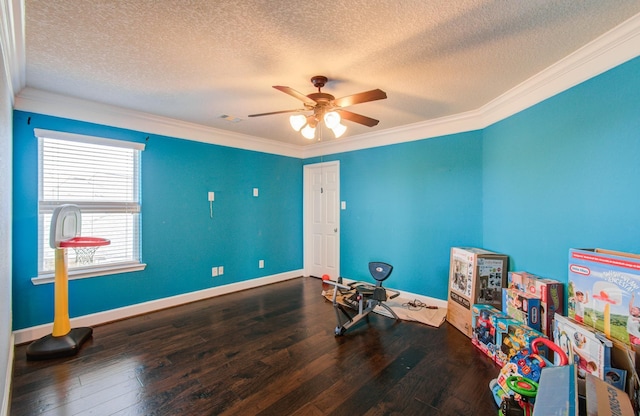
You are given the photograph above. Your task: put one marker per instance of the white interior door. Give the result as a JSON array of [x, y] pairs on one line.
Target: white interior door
[[322, 219]]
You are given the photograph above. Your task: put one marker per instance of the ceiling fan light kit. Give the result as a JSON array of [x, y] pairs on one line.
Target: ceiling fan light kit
[[339, 130], [297, 121], [326, 108], [331, 119], [308, 132]]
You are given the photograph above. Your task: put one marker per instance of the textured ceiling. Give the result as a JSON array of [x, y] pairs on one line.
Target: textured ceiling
[[197, 60]]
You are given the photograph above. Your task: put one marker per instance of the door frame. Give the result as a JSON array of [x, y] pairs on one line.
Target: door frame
[[307, 217]]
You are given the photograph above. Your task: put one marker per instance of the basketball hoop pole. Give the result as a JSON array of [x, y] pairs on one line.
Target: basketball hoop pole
[[61, 322]]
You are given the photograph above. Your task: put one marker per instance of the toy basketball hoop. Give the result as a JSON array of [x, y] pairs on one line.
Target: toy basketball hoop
[[66, 224], [85, 247]]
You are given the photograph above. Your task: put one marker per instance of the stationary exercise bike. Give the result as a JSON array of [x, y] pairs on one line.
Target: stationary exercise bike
[[362, 297]]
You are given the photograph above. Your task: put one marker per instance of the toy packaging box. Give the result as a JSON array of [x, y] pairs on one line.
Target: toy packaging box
[[604, 292], [483, 318], [589, 350], [513, 336], [549, 291], [522, 306], [476, 276]]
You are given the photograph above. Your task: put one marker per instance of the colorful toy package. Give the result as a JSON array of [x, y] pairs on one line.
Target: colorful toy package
[[604, 292], [521, 306], [549, 291], [484, 331], [589, 350], [513, 336]]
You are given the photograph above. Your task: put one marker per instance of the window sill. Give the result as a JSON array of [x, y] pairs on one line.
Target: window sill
[[93, 272]]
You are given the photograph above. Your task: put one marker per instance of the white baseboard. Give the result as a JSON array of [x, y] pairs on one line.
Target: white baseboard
[[6, 394], [29, 334], [442, 304]]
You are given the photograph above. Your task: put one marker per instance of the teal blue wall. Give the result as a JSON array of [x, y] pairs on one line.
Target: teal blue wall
[[566, 173], [180, 242], [408, 204]]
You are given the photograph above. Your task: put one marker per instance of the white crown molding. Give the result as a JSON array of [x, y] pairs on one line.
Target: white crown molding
[[613, 48], [43, 102], [12, 43], [469, 121]]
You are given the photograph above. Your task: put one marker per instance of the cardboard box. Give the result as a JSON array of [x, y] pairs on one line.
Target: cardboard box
[[549, 291], [483, 318], [512, 336], [606, 400], [476, 276], [557, 392], [604, 292], [624, 358], [522, 306]]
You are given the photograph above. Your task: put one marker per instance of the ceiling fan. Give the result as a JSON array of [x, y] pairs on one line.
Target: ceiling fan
[[326, 107]]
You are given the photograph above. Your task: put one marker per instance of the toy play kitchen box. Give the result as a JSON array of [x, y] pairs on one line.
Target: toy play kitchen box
[[604, 292], [476, 276]]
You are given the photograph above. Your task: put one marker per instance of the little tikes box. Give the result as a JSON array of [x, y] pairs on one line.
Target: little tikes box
[[549, 291], [475, 276], [590, 350], [604, 292], [522, 306]]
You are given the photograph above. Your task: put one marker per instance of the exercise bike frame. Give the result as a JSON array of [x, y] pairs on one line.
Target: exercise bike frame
[[364, 305]]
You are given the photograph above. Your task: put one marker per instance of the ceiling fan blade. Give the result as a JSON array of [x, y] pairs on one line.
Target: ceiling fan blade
[[358, 118], [277, 112], [296, 94], [362, 97]]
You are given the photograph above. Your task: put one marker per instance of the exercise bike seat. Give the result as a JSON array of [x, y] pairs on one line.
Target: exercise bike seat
[[379, 270]]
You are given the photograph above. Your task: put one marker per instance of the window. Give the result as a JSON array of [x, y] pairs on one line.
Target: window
[[102, 177]]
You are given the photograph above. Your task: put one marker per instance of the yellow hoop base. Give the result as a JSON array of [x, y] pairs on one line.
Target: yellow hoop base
[[63, 341], [49, 346]]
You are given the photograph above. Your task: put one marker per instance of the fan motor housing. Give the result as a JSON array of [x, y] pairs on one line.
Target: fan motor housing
[[321, 97]]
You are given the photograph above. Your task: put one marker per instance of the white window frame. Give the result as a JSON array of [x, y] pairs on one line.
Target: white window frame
[[47, 206]]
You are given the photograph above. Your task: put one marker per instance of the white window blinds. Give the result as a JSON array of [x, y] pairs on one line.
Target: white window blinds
[[102, 177]]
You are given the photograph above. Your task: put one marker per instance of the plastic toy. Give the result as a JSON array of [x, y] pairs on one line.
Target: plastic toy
[[519, 404], [64, 341], [517, 382]]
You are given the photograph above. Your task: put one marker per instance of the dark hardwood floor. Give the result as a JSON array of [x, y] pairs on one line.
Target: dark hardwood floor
[[264, 351]]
